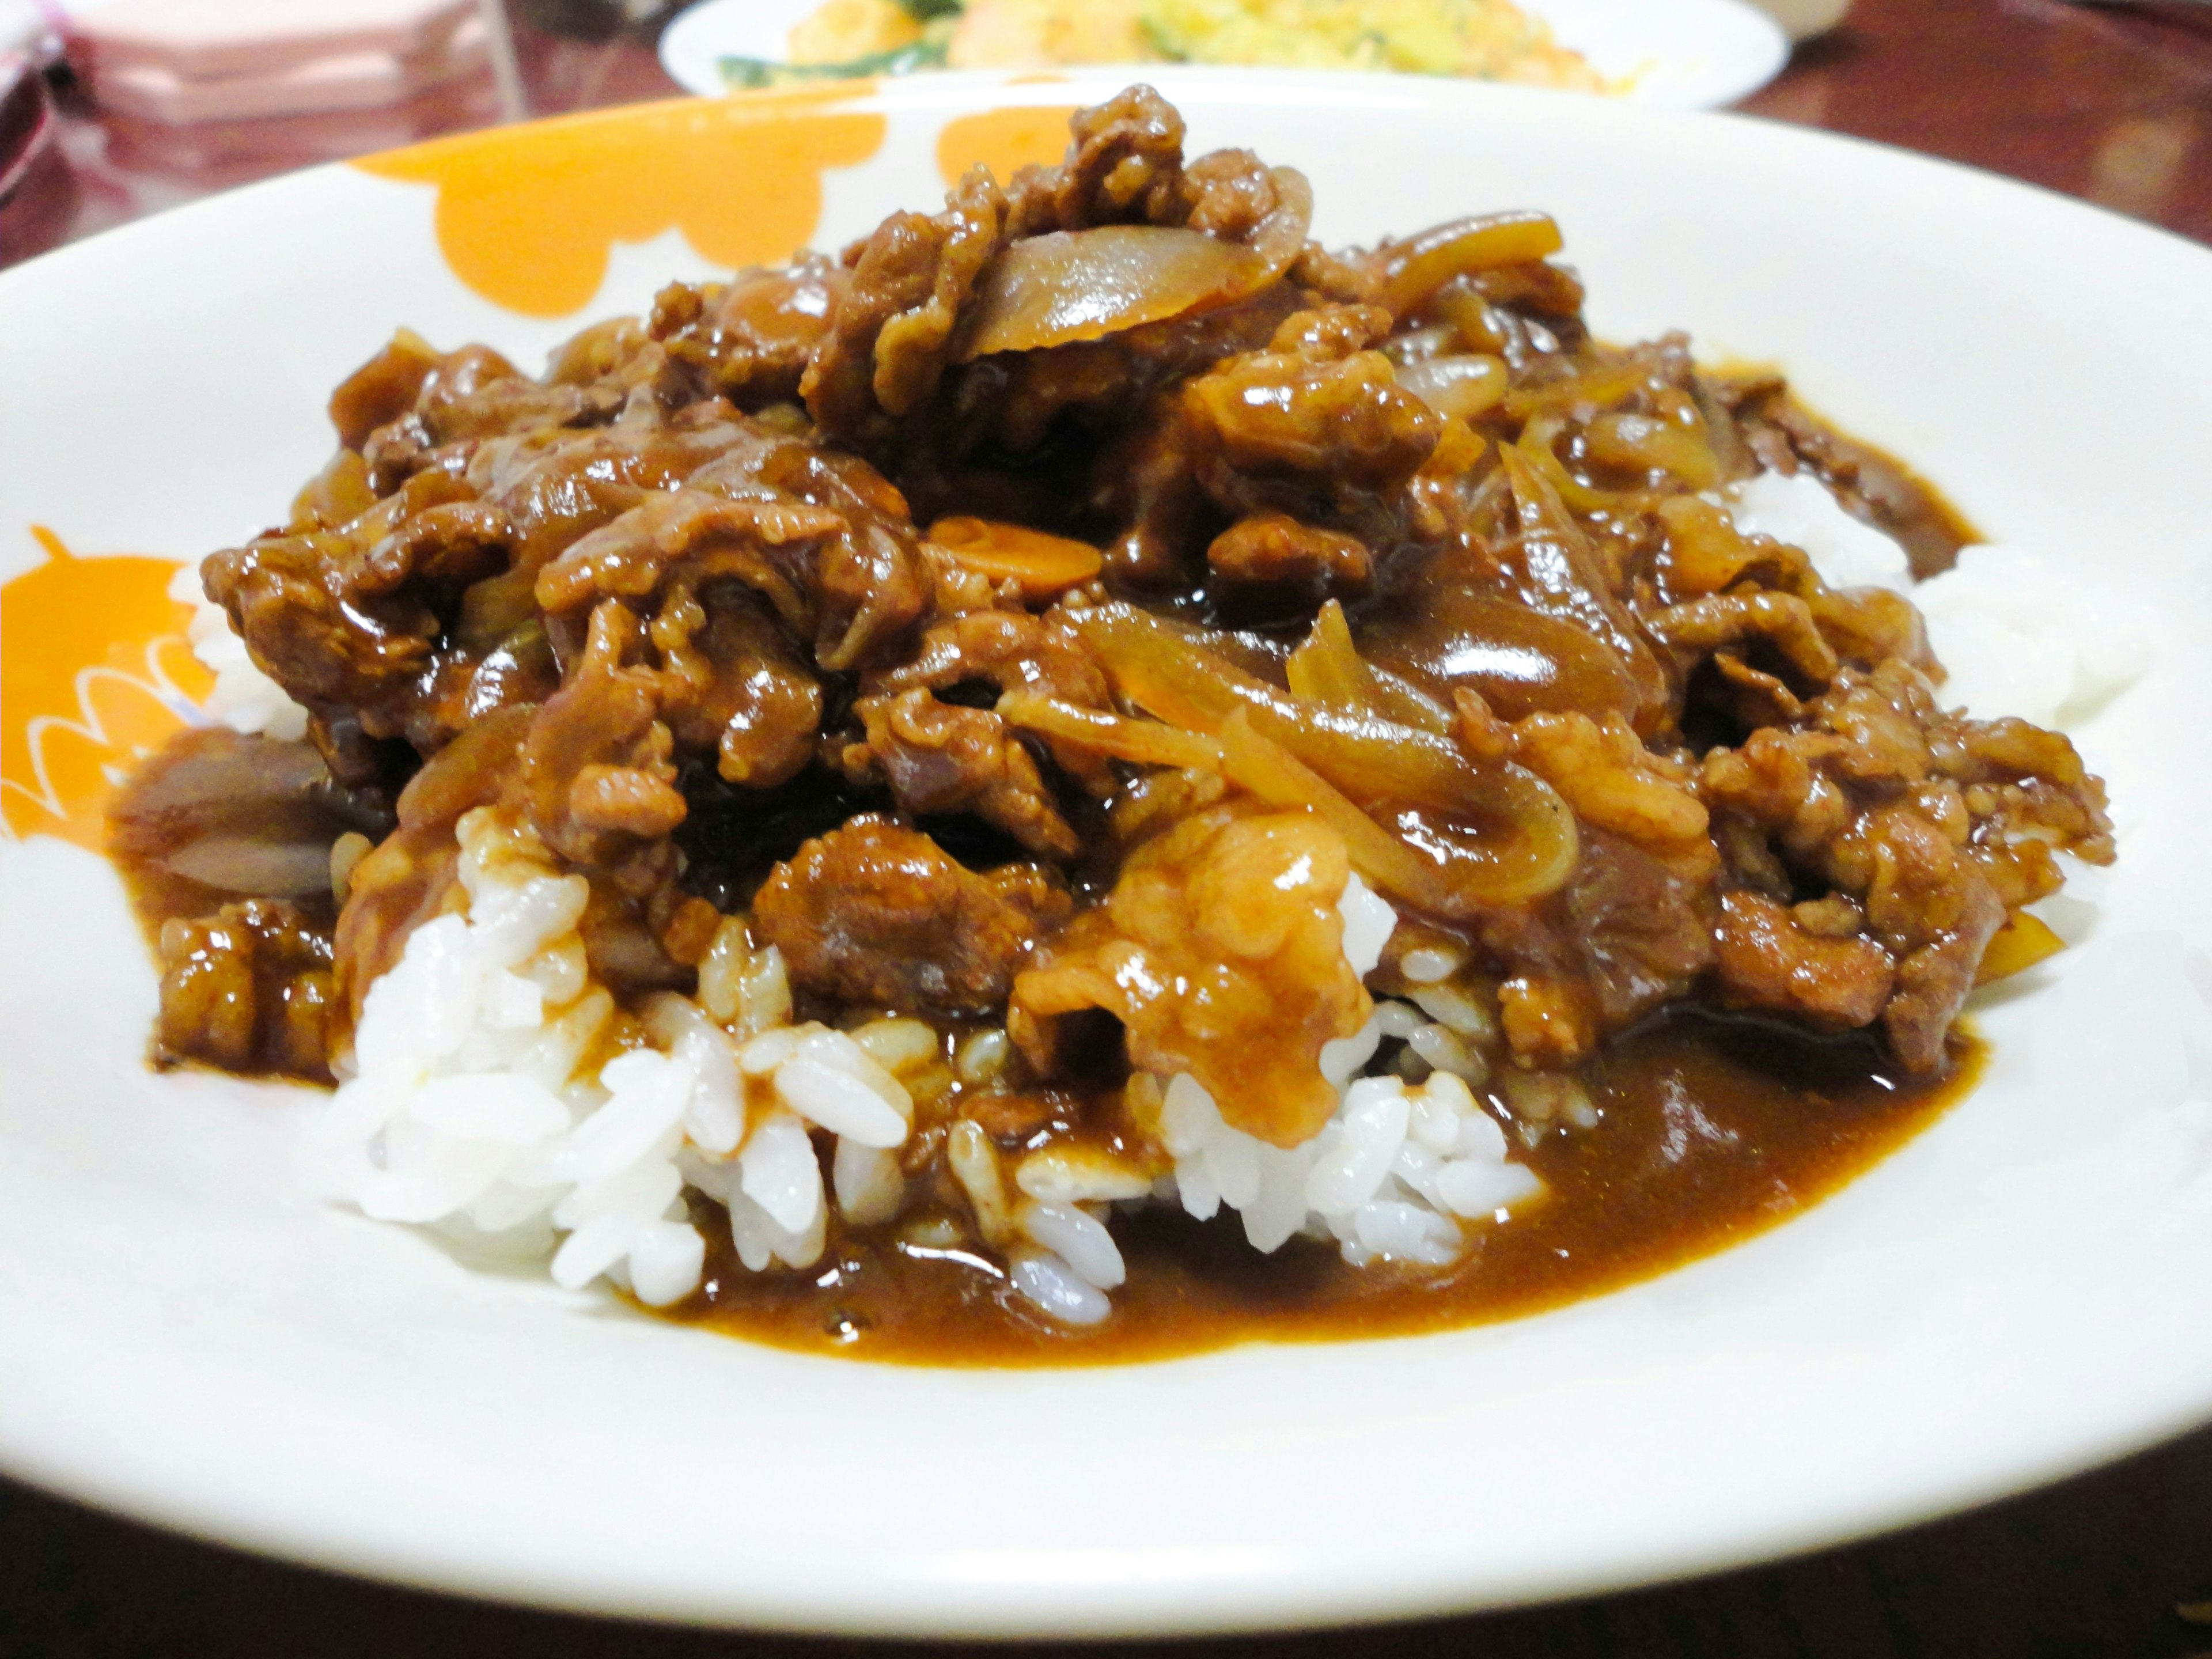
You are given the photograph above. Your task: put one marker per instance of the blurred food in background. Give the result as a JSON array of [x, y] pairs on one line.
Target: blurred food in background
[[1480, 39]]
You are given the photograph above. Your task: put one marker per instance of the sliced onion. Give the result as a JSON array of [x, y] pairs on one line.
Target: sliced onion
[[1073, 285], [243, 864], [1082, 284], [1417, 267], [1465, 387], [1521, 843]]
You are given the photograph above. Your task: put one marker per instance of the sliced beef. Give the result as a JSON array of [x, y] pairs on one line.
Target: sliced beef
[[877, 915]]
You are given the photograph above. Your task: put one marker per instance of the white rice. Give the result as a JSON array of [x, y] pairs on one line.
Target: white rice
[[472, 1102], [2016, 633], [470, 1099]]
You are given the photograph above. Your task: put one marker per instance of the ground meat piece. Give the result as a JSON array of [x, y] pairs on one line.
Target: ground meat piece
[[381, 390], [750, 338], [328, 614], [1753, 696], [1611, 780], [1767, 959], [1632, 928], [942, 757], [1012, 651], [1316, 410], [888, 330], [1231, 192], [448, 545], [1550, 1022], [876, 915], [1935, 824], [1642, 922], [1347, 278], [249, 989], [732, 682], [1275, 551], [1934, 981], [555, 487], [869, 583], [1124, 165], [1776, 783], [1869, 484], [763, 544], [1781, 621], [595, 776], [1929, 903], [474, 395]]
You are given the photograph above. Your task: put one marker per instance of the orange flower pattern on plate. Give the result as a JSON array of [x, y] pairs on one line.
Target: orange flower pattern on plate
[[94, 674], [526, 216], [1003, 139]]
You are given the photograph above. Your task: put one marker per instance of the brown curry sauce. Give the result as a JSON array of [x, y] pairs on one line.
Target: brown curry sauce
[[1713, 1130]]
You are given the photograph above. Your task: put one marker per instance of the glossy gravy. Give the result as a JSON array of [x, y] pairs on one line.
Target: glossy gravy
[[1713, 1130]]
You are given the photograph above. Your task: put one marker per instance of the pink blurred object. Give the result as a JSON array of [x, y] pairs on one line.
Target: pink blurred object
[[341, 81], [216, 39], [38, 192], [27, 120], [187, 62]]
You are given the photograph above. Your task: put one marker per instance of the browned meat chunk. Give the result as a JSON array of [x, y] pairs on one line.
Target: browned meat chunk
[[878, 915], [761, 544], [1935, 824], [1642, 922], [749, 339], [345, 617], [1342, 417], [943, 758], [1124, 165], [1768, 959], [1273, 549], [248, 989], [886, 344], [595, 768], [735, 683]]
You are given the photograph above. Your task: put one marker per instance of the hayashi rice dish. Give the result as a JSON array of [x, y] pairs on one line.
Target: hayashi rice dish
[[1088, 755]]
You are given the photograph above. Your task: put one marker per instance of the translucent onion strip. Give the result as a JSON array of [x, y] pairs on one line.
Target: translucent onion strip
[[1278, 777], [1329, 671], [1417, 267], [1147, 742], [1071, 285], [1523, 844]]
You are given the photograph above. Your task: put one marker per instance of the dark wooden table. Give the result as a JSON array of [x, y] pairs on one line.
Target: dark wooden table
[[2111, 104]]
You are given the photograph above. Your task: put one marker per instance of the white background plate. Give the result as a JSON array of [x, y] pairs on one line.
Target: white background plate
[[191, 1331], [1682, 54]]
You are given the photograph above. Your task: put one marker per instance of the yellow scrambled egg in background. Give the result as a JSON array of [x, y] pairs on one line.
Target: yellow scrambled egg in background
[[1484, 40]]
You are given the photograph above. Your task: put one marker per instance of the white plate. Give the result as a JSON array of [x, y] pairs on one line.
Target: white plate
[[191, 1332], [1679, 54]]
